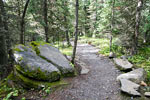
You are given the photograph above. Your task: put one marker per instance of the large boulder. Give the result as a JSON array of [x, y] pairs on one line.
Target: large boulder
[[33, 66], [123, 64], [136, 75], [54, 56], [129, 87]]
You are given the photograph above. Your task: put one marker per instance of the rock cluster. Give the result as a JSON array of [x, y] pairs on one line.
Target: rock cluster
[[130, 81], [41, 62]]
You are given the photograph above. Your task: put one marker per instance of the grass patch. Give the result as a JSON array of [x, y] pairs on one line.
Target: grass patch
[[65, 49]]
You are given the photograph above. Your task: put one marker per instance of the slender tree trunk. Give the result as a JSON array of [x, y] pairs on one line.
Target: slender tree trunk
[[46, 21], [86, 20], [137, 26], [67, 35], [3, 47], [67, 38], [112, 26], [76, 33], [22, 24], [95, 23], [145, 36], [8, 42]]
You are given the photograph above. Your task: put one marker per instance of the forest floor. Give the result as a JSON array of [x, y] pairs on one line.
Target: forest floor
[[99, 84]]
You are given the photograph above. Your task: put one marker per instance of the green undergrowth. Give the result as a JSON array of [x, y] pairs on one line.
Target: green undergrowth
[[65, 49], [142, 59], [16, 84], [38, 74]]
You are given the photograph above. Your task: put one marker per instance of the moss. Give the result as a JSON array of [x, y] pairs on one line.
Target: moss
[[17, 49], [38, 74], [29, 83], [34, 46], [69, 74]]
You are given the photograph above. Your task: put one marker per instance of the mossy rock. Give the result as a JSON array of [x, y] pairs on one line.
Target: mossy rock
[[54, 56], [33, 66], [30, 83], [38, 74]]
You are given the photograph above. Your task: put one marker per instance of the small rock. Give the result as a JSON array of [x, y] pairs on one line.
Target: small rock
[[123, 57], [143, 83], [84, 71], [123, 64], [129, 87], [147, 94], [136, 75], [111, 55]]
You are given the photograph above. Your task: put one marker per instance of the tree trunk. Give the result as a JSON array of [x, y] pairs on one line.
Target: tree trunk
[[86, 20], [22, 24], [46, 21], [67, 35], [145, 36], [3, 47], [95, 23], [137, 26], [76, 33], [112, 26]]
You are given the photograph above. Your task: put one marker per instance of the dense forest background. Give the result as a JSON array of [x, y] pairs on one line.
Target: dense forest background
[[125, 23], [119, 27]]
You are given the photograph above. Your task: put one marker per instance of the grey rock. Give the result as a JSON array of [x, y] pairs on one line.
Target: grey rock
[[123, 64], [129, 87], [32, 66], [54, 56], [84, 69], [112, 55], [136, 75], [124, 57], [147, 94]]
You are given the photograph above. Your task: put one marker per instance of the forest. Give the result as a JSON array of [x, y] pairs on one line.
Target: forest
[[31, 30]]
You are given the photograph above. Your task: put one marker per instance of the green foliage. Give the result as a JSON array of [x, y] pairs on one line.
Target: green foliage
[[23, 98], [9, 92], [64, 49], [142, 59], [47, 90]]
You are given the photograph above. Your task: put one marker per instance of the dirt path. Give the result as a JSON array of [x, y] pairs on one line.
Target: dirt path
[[99, 84]]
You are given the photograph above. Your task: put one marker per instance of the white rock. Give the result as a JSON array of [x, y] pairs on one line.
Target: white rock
[[129, 87], [147, 94], [136, 75], [123, 64]]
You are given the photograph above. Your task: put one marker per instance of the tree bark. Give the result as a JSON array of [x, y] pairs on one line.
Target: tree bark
[[46, 21], [112, 26], [137, 26], [76, 33], [67, 35], [3, 47], [22, 24], [8, 35]]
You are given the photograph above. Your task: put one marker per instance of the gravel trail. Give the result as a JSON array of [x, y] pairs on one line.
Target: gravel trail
[[99, 84]]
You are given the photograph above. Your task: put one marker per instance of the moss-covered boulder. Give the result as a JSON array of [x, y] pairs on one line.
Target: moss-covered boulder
[[31, 83], [54, 56], [33, 66]]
